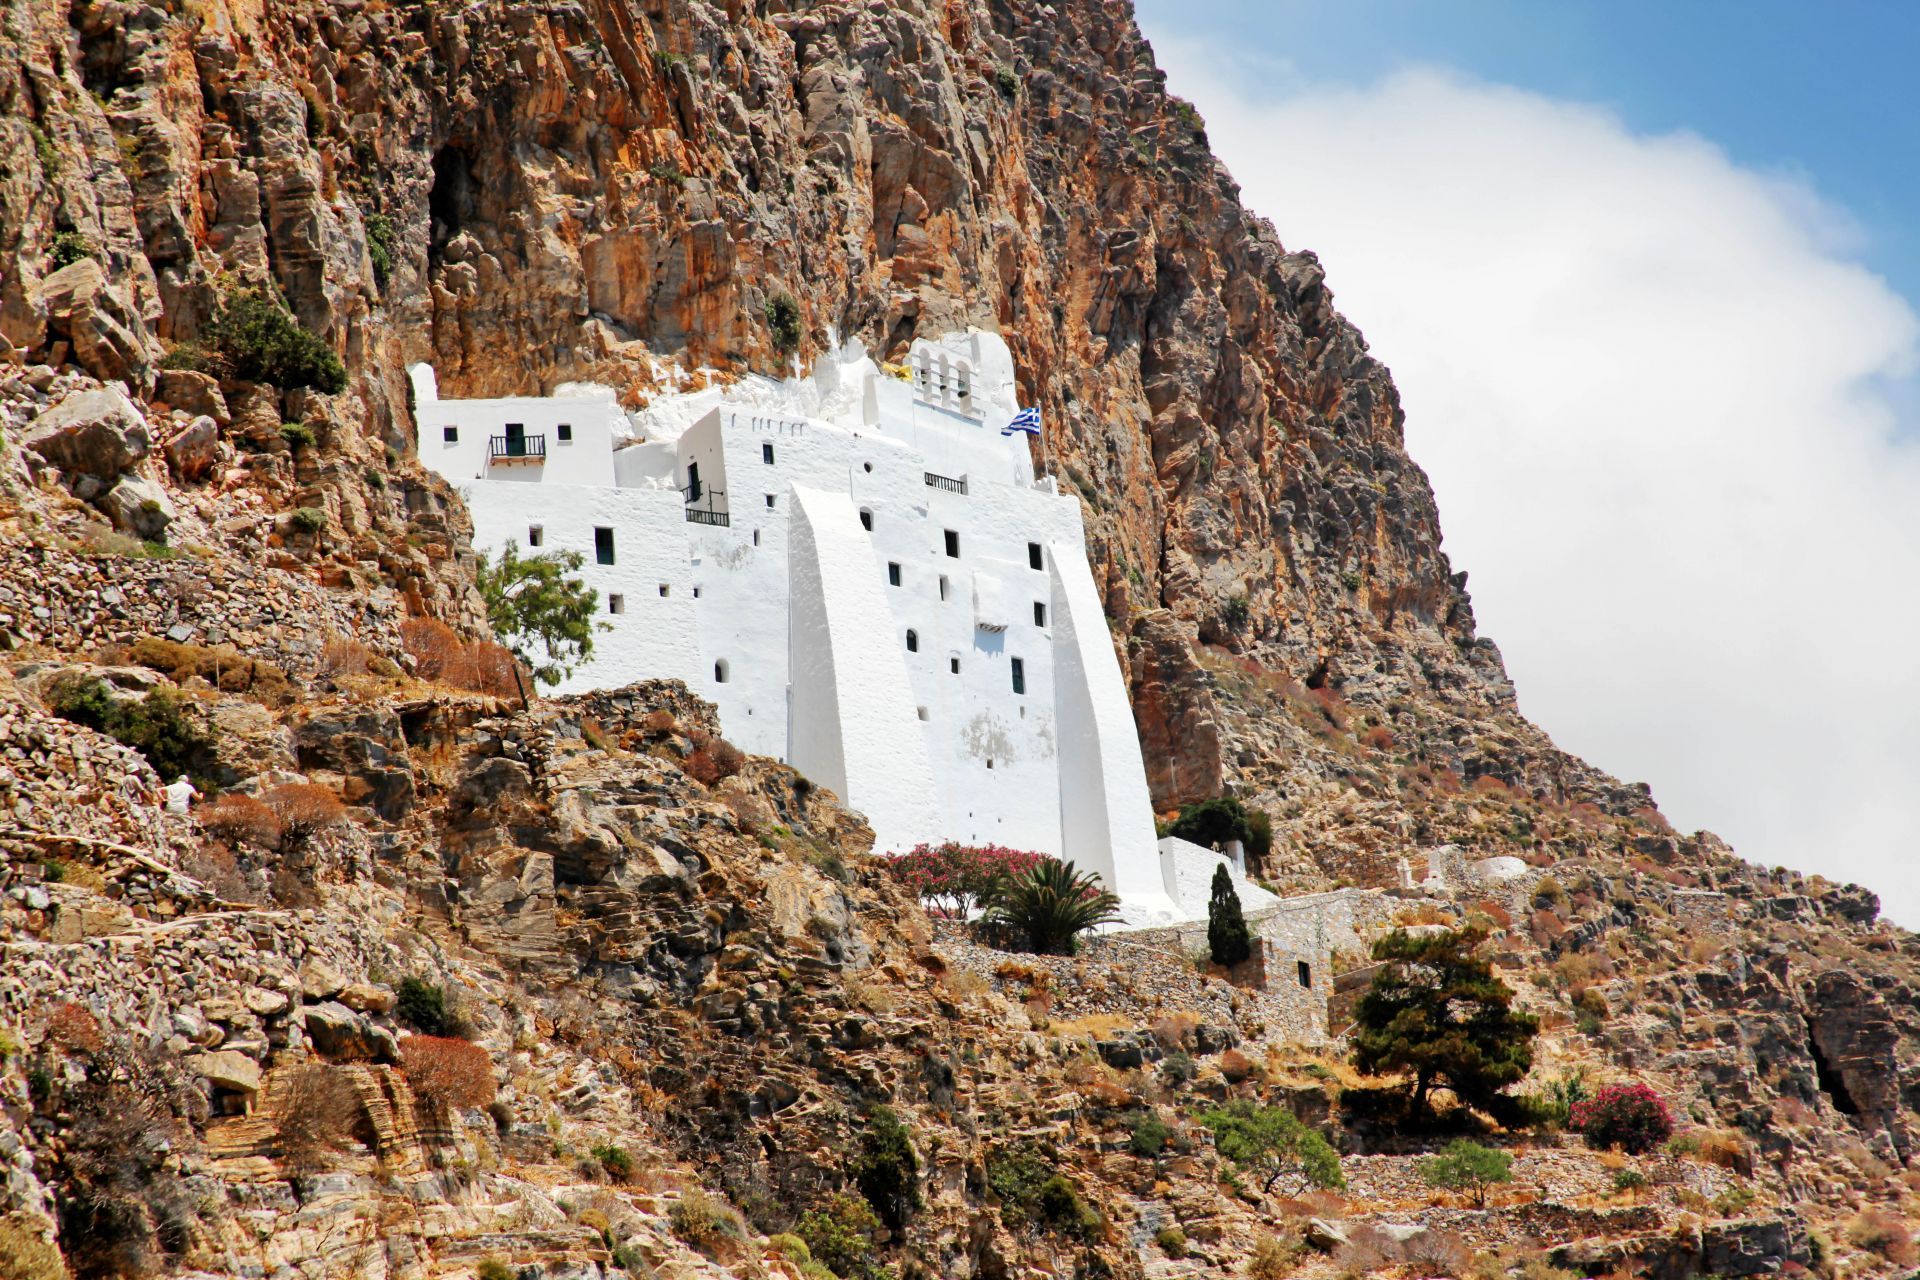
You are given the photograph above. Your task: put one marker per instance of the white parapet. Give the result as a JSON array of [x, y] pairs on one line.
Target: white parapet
[[852, 725], [1106, 811]]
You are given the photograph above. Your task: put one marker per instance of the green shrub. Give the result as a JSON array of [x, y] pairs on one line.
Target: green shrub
[[840, 1235], [668, 172], [69, 247], [886, 1168], [308, 520], [1033, 1192], [49, 155], [157, 725], [192, 357], [1213, 822], [1468, 1166], [380, 247], [493, 1269], [615, 1161], [298, 435], [1172, 1241], [704, 1221], [790, 1247], [1006, 82], [783, 323], [260, 341], [423, 1006], [1150, 1135], [630, 1260], [1178, 1068], [1629, 1180]]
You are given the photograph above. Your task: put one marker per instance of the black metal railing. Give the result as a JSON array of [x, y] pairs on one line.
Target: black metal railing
[[517, 448], [946, 482], [711, 513], [697, 516]]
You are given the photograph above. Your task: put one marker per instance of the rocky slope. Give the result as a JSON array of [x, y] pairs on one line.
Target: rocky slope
[[707, 976]]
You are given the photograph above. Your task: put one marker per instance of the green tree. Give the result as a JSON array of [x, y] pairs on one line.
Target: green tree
[[1048, 906], [1272, 1143], [1468, 1166], [886, 1169], [258, 340], [1436, 1011], [1212, 823], [536, 608], [1228, 941]]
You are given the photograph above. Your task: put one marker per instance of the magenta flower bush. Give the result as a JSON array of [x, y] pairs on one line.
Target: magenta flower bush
[[952, 879], [1631, 1117]]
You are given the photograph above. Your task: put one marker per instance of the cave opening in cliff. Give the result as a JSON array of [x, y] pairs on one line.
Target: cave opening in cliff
[[1829, 1077], [451, 199]]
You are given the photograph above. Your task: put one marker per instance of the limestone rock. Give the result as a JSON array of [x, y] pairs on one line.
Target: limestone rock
[[192, 392], [194, 450], [109, 337], [139, 507], [228, 1070], [321, 981], [96, 433]]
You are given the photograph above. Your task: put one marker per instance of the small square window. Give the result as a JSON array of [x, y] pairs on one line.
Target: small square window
[[536, 535], [766, 453], [696, 593], [1039, 614], [866, 519], [893, 573], [1019, 676], [666, 589], [989, 762], [1033, 556], [616, 603], [953, 665], [602, 545], [450, 435], [953, 544], [769, 500], [565, 432], [913, 640]]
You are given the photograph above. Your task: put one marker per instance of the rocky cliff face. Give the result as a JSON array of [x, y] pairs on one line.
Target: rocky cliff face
[[704, 973]]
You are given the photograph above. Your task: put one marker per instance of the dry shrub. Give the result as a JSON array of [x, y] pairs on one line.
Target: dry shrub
[[27, 1251], [1546, 927], [241, 819], [1488, 785], [316, 1113], [1879, 1231], [1237, 1066], [73, 1027], [1380, 738], [214, 866], [303, 809], [447, 1073], [1331, 705], [443, 656], [712, 759], [343, 656], [1272, 1258], [1494, 911], [1705, 949], [1175, 1031], [1438, 1253], [659, 722], [1108, 1095], [965, 984]]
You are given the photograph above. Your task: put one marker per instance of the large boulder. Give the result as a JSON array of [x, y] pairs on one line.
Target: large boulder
[[192, 392], [139, 507], [109, 338], [194, 451], [92, 433]]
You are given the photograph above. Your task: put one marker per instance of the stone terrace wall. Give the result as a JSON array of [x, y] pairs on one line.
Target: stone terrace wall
[[74, 603]]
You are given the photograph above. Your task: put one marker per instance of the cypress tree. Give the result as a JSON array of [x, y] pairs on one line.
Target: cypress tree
[[1227, 938]]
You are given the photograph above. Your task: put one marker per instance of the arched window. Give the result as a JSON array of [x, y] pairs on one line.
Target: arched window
[[721, 671], [913, 640]]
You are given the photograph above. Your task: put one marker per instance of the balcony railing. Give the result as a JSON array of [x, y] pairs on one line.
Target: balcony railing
[[517, 448], [946, 482], [713, 512]]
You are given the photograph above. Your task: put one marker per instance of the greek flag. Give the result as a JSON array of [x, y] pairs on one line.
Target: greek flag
[[1027, 420]]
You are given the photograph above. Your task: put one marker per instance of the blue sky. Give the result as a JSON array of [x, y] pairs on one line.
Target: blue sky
[[1825, 91], [1646, 277]]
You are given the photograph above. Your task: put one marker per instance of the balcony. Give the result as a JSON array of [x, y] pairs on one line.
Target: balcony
[[510, 449], [947, 483], [714, 512]]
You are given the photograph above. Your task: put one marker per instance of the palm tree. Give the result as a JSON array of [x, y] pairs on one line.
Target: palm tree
[[1048, 905]]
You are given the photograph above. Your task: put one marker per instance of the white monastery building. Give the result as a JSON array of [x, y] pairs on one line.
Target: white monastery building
[[861, 571]]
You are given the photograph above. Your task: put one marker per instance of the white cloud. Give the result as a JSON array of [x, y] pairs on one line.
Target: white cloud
[[1662, 413]]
